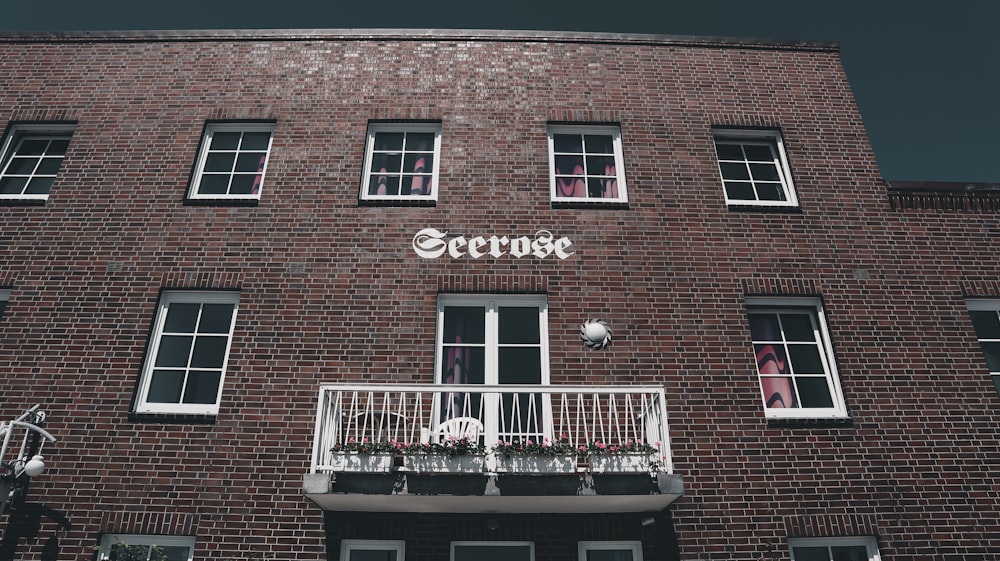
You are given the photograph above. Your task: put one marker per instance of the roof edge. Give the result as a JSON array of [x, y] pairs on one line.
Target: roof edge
[[409, 35]]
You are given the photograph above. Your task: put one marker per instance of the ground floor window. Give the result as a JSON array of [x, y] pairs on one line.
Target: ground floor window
[[610, 551], [144, 547], [371, 550], [492, 551], [860, 548]]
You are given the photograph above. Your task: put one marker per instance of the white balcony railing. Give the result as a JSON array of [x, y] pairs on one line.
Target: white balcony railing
[[409, 413]]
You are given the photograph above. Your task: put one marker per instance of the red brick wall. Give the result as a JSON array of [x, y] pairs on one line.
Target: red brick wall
[[917, 466]]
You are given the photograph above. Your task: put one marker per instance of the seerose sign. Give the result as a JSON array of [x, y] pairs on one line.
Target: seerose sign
[[430, 243]]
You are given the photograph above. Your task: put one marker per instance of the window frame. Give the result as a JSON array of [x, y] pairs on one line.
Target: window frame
[[634, 546], [869, 542], [366, 173], [454, 544], [587, 129], [108, 541], [167, 298], [985, 305], [16, 134], [349, 545], [814, 307], [205, 148], [771, 138]]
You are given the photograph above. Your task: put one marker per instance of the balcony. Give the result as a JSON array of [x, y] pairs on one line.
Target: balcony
[[574, 419]]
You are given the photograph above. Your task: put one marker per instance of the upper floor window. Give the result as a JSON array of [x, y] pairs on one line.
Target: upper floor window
[[795, 363], [142, 547], [371, 550], [586, 164], [860, 548], [986, 319], [610, 551], [401, 162], [188, 353], [232, 161], [30, 160], [754, 168]]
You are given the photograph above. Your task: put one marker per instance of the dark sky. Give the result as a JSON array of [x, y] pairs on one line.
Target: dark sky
[[926, 74]]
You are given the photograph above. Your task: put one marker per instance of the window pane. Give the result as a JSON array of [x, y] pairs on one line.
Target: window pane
[[255, 141], [418, 163], [173, 350], [814, 392], [992, 353], [251, 161], [758, 153], [463, 365], [810, 554], [770, 192], [739, 191], [173, 553], [420, 142], [243, 184], [849, 553], [214, 184], [771, 359], [598, 144], [987, 324], [181, 318], [32, 147], [57, 147], [805, 359], [764, 327], [567, 143], [384, 185], [778, 392], [518, 325], [609, 555], [389, 141], [202, 386], [21, 166], [569, 165], [49, 166], [225, 141], [372, 555], [129, 552], [40, 186], [798, 327], [216, 318], [220, 161], [734, 171], [729, 151], [764, 172], [601, 165], [519, 365], [417, 185], [12, 185], [165, 386], [386, 163], [465, 324], [209, 352]]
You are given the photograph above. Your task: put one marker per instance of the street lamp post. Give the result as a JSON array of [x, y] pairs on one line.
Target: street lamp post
[[28, 461]]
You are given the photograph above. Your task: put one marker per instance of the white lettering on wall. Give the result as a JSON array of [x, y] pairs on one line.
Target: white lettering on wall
[[431, 243]]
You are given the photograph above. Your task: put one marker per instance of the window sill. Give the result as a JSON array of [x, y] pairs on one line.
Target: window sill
[[172, 418], [589, 204], [779, 209], [22, 201], [806, 423], [221, 202], [398, 202]]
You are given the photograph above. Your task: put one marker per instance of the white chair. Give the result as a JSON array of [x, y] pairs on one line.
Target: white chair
[[458, 428]]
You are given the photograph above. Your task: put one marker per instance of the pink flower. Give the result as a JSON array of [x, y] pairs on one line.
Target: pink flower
[[600, 445]]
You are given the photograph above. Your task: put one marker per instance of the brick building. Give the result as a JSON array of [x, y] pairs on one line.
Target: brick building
[[229, 259]]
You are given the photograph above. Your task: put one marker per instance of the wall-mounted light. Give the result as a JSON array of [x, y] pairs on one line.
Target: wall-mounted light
[[595, 334], [648, 521], [27, 462]]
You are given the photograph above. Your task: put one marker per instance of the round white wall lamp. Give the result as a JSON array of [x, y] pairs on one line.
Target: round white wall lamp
[[595, 334]]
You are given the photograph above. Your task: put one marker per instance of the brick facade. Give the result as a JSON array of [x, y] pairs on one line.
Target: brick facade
[[331, 291]]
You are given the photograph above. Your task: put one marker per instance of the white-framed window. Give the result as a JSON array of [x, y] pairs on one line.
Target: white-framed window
[[189, 349], [371, 550], [492, 551], [611, 551], [4, 297], [586, 164], [860, 548], [232, 161], [794, 357], [754, 168], [495, 339], [144, 547], [402, 162], [986, 319], [30, 160]]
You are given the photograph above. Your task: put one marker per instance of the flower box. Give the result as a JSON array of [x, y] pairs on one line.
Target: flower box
[[435, 463], [619, 463], [532, 465], [363, 463]]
